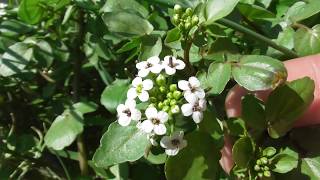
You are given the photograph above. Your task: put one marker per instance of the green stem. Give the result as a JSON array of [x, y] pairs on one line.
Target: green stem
[[257, 36], [63, 167], [186, 58]]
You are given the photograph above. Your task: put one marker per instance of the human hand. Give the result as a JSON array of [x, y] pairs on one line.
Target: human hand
[[297, 68]]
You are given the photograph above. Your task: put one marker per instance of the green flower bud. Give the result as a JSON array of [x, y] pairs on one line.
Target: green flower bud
[[177, 95], [189, 12], [160, 105], [181, 26], [153, 99], [266, 168], [169, 95], [166, 108], [166, 102], [175, 109], [162, 89], [161, 80], [257, 167], [267, 173], [258, 162], [260, 174], [187, 25], [173, 102], [195, 20], [176, 19], [264, 160], [177, 9], [173, 87]]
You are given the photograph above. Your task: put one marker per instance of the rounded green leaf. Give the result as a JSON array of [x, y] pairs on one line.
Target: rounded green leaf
[[199, 160], [216, 9], [253, 112], [120, 144], [114, 5], [127, 23], [151, 45], [15, 59], [285, 161], [256, 72], [242, 152], [218, 76], [31, 11], [307, 41], [311, 167], [114, 94]]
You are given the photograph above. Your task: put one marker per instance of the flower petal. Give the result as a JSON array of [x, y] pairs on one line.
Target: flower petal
[[143, 72], [190, 97], [132, 93], [165, 142], [147, 84], [141, 65], [160, 129], [183, 85], [172, 152], [194, 82], [186, 109], [147, 126], [203, 104], [169, 70], [120, 108], [135, 114], [200, 93], [124, 120], [136, 81], [197, 116], [151, 112], [153, 60], [143, 96], [130, 103], [181, 65], [177, 135], [163, 116], [183, 144], [156, 69]]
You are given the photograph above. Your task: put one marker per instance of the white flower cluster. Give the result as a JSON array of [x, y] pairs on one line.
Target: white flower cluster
[[164, 100]]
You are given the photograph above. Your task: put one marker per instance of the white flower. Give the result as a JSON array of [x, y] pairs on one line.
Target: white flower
[[155, 121], [174, 143], [128, 112], [140, 89], [171, 64], [194, 107], [152, 64], [191, 88]]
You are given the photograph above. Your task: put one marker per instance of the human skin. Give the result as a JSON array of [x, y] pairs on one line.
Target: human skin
[[297, 68]]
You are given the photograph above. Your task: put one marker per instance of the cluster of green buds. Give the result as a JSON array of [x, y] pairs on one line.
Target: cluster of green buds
[[262, 166], [184, 20], [165, 96]]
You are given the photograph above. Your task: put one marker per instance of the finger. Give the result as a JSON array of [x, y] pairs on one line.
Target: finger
[[297, 68], [226, 161]]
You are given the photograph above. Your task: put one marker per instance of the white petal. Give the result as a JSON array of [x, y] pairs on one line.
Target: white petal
[[194, 82], [183, 85], [165, 142], [200, 93], [162, 116], [172, 152], [153, 60], [135, 115], [136, 81], [190, 97], [147, 126], [143, 72], [156, 69], [166, 59], [181, 65], [120, 108], [151, 112], [160, 129], [183, 144], [197, 116], [132, 93], [124, 120], [170, 70], [147, 84], [186, 109], [143, 96], [141, 65], [177, 135], [203, 104], [130, 103]]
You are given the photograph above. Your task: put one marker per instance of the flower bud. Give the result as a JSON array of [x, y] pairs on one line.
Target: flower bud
[[152, 105], [173, 102], [267, 173], [161, 80], [175, 109], [260, 174], [166, 102], [176, 19], [160, 105], [264, 160], [258, 162], [169, 95], [187, 25], [162, 89], [195, 20], [189, 12], [166, 108], [266, 168], [177, 9], [153, 99], [177, 95], [181, 26], [257, 167], [173, 87]]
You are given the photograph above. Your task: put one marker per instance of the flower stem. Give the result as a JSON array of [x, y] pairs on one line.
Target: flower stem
[[257, 36], [186, 58]]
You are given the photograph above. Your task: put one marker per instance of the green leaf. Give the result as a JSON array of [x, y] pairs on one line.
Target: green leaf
[[254, 12], [114, 94], [286, 104], [218, 76], [127, 24], [307, 41], [285, 161], [43, 53], [286, 39], [216, 9], [115, 5], [120, 144], [269, 151], [302, 10], [199, 160], [173, 35], [129, 45], [253, 112], [242, 151], [64, 129], [15, 59], [85, 107], [31, 11], [151, 45], [56, 4], [12, 27], [255, 72], [311, 167]]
